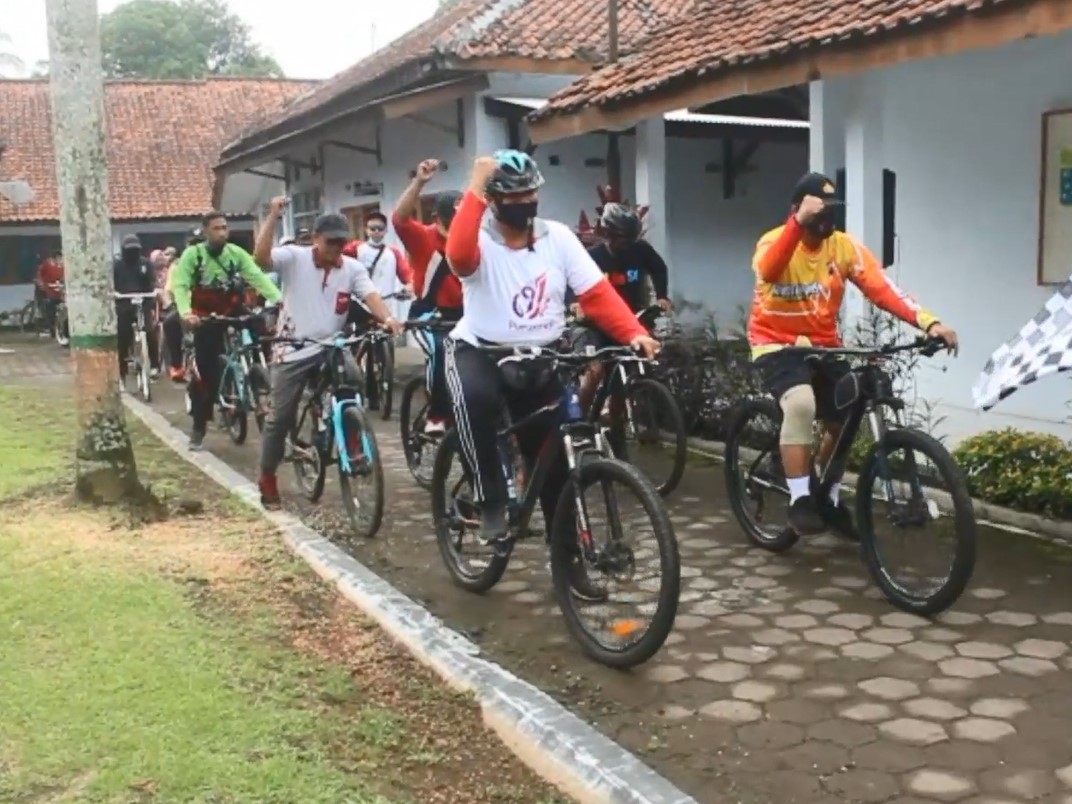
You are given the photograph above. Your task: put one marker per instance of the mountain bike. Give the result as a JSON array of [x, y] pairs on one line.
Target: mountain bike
[[332, 426], [420, 447], [651, 418], [61, 328], [138, 362], [908, 502], [575, 554], [376, 355], [244, 385]]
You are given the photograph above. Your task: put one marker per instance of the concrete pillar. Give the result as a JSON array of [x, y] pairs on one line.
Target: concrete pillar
[[483, 134], [651, 184], [826, 142]]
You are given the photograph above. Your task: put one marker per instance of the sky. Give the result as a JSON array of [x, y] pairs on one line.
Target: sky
[[338, 33]]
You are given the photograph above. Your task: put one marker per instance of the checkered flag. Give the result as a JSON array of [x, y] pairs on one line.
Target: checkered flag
[[1043, 347]]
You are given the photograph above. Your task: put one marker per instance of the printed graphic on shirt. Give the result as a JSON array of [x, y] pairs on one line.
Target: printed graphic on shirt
[[531, 301]]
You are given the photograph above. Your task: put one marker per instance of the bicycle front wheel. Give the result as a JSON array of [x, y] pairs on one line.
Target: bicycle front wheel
[[914, 482], [361, 485], [229, 403], [412, 416], [144, 380], [385, 376], [618, 636]]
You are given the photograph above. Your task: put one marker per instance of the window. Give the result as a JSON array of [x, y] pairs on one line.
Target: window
[[21, 254], [305, 207]]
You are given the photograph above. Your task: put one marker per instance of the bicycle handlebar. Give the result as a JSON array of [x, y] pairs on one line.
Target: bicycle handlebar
[[135, 296], [928, 346]]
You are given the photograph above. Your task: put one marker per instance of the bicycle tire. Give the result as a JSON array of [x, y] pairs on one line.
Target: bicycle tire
[[411, 427], [963, 516], [385, 376], [143, 369], [353, 417], [260, 388], [311, 484], [746, 410], [667, 405], [598, 469], [477, 583], [233, 419]]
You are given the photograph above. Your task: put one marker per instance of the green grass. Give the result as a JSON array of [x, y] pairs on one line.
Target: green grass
[[115, 688]]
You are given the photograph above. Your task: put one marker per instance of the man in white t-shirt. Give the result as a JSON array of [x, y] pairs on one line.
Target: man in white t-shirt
[[318, 282], [514, 269]]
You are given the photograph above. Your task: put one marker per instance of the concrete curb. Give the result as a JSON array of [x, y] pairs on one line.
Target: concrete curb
[[555, 743], [1033, 525]]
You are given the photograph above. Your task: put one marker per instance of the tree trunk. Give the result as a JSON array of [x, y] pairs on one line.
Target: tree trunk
[[104, 459]]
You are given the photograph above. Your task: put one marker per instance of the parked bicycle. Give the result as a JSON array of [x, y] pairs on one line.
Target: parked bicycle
[[376, 356], [908, 493], [620, 639], [61, 326], [420, 447], [332, 426], [138, 362], [244, 385], [647, 429]]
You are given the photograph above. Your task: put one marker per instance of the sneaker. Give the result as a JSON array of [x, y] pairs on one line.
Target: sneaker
[[805, 517], [435, 427], [582, 585], [839, 519], [154, 374], [177, 374], [197, 440], [494, 526], [269, 489]]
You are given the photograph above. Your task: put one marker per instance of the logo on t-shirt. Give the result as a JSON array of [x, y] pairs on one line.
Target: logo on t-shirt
[[531, 301]]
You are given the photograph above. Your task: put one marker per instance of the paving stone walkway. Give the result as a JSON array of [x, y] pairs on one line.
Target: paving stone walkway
[[787, 678]]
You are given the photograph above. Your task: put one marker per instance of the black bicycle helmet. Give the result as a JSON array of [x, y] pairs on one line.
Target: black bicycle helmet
[[619, 220], [517, 173]]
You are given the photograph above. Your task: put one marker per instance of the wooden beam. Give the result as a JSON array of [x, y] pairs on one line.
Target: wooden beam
[[1005, 23], [459, 111], [407, 104], [522, 64], [361, 149], [513, 134], [264, 174]]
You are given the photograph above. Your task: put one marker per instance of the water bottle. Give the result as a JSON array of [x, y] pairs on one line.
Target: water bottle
[[571, 404]]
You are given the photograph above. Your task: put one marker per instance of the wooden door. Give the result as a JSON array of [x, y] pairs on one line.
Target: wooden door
[[357, 216]]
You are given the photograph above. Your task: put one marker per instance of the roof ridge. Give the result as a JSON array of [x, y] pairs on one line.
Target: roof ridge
[[472, 25]]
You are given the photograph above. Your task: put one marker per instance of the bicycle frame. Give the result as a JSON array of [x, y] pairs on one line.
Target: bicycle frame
[[332, 376], [238, 362]]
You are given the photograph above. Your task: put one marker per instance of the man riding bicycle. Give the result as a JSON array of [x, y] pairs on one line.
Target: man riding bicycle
[[437, 288], [318, 283], [515, 269], [133, 273], [802, 268], [210, 278]]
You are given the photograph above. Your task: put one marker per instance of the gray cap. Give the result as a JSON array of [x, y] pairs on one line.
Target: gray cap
[[332, 226]]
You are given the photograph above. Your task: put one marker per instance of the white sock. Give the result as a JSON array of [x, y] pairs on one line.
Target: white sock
[[798, 487], [835, 492]]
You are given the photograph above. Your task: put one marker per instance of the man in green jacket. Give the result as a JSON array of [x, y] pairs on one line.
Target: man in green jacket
[[210, 279]]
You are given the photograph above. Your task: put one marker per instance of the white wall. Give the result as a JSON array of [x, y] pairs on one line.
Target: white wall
[[963, 135]]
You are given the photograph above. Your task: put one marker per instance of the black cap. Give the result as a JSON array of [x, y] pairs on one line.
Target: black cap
[[332, 226], [818, 185], [131, 242]]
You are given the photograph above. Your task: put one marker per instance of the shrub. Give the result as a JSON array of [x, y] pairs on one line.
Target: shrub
[[1028, 471]]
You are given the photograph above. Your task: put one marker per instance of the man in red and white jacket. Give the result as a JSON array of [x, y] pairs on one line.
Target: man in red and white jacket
[[386, 264]]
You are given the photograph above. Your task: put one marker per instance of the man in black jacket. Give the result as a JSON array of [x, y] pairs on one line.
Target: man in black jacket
[[133, 273]]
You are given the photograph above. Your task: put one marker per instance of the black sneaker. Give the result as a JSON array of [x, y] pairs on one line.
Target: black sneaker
[[582, 585], [839, 519], [494, 526], [197, 440], [805, 516]]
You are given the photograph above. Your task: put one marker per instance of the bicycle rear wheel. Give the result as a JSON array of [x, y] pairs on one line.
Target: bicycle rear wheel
[[619, 640], [917, 500], [306, 451], [455, 511], [412, 416], [366, 472], [656, 424]]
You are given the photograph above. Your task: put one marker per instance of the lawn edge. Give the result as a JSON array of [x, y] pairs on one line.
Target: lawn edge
[[560, 747]]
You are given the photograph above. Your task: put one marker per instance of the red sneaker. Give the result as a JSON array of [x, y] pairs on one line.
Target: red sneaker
[[177, 374], [269, 492]]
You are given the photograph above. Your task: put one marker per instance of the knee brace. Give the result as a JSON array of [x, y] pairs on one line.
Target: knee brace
[[798, 416]]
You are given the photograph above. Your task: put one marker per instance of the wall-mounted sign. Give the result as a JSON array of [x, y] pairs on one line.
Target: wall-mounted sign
[[363, 188]]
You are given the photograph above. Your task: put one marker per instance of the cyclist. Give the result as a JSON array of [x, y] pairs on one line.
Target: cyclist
[[209, 279], [801, 270], [438, 288], [515, 269], [133, 273], [317, 285], [47, 291], [172, 324], [628, 262]]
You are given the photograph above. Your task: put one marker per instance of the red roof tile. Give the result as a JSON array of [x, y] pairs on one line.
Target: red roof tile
[[720, 36], [543, 30], [161, 146]]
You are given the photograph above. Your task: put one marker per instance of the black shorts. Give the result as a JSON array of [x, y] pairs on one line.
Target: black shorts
[[781, 371]]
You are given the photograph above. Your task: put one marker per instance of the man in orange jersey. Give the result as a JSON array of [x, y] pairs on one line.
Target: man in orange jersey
[[801, 270]]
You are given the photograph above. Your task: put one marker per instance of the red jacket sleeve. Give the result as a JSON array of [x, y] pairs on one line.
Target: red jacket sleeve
[[609, 311], [463, 249], [350, 249], [402, 267], [772, 258]]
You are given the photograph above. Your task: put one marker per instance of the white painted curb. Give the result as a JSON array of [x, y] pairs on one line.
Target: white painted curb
[[555, 743]]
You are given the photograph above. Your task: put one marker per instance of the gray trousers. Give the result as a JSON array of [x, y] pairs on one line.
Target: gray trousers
[[288, 382]]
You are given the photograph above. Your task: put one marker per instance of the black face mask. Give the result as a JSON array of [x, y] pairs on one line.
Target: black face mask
[[131, 255], [822, 225], [516, 216]]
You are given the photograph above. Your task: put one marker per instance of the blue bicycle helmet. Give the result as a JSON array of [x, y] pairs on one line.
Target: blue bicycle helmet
[[517, 173]]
